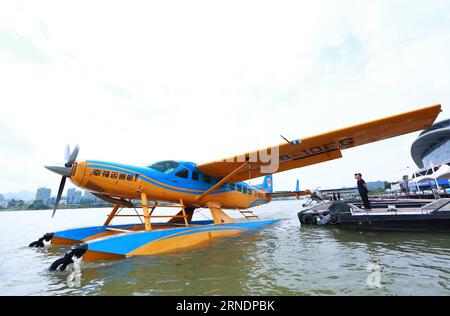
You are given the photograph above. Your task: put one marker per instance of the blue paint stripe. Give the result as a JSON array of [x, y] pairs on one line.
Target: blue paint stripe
[[146, 178], [258, 202]]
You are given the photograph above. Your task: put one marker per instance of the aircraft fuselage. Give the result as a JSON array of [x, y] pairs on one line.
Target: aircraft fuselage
[[164, 181]]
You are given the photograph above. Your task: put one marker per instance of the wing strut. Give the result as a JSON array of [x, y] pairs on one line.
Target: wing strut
[[224, 180]]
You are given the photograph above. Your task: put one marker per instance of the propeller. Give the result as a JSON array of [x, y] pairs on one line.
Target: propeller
[[72, 156], [64, 171], [60, 192]]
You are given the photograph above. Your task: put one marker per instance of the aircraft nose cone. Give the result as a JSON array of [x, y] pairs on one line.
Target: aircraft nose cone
[[61, 170]]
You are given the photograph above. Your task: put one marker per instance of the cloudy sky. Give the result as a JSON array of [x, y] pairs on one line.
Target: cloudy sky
[[141, 81]]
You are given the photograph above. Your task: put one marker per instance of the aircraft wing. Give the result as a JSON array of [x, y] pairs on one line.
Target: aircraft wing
[[319, 148]]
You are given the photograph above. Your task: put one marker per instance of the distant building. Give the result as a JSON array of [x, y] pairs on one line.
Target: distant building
[[431, 153], [395, 187], [432, 146], [15, 203], [51, 201], [88, 197], [3, 201], [43, 194], [73, 196]]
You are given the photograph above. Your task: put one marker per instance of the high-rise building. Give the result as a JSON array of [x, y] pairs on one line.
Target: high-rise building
[[90, 198], [43, 194], [73, 196]]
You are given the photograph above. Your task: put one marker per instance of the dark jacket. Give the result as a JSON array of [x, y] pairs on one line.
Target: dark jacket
[[362, 188]]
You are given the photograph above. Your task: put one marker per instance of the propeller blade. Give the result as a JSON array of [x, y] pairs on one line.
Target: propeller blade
[[73, 156], [61, 170], [67, 153], [58, 197]]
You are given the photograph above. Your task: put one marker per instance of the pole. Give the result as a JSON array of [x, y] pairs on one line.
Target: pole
[[436, 194], [417, 185]]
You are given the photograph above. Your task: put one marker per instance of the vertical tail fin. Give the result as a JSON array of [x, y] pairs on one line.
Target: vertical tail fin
[[267, 184]]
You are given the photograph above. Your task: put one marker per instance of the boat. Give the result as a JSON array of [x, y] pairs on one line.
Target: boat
[[385, 215]]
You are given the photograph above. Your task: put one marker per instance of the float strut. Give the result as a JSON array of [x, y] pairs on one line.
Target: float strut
[[144, 200], [111, 215]]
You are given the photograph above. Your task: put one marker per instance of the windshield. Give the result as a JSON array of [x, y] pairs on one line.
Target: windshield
[[164, 166]]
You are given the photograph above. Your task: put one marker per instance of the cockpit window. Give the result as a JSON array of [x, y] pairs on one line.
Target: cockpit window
[[207, 179], [164, 166], [183, 173]]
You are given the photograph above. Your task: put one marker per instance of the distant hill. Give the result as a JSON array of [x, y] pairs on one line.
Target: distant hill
[[375, 185], [2, 198], [22, 195]]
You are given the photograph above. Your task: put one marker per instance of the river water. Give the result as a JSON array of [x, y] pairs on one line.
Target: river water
[[282, 259]]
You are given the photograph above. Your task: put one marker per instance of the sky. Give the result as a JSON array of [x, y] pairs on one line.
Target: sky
[[141, 81]]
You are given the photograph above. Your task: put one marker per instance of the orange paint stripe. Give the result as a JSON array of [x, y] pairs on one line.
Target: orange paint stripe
[[181, 242], [64, 241], [97, 255]]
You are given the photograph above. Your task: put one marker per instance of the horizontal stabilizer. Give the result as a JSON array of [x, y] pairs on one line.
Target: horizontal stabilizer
[[282, 194]]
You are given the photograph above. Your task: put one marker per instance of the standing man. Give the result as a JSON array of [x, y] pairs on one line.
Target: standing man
[[363, 191]]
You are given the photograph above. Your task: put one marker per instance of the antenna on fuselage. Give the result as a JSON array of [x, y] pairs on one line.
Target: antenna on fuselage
[[294, 142], [285, 139]]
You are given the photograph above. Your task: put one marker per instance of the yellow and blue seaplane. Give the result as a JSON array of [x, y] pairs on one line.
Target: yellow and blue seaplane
[[216, 186]]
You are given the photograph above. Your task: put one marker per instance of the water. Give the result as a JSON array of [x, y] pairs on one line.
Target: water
[[282, 259]]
